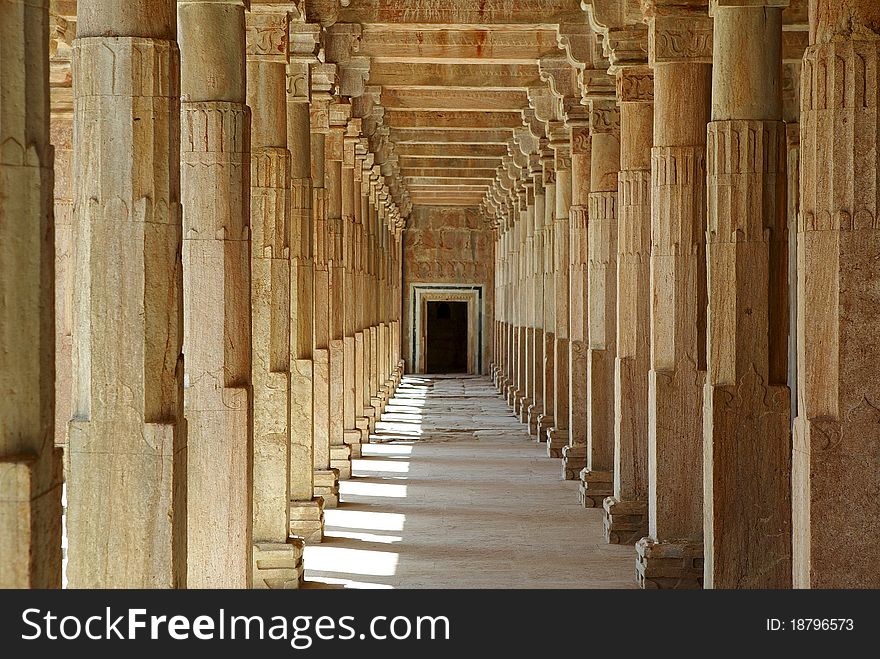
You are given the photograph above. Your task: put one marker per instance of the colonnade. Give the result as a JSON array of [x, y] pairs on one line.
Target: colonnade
[[705, 323], [227, 281]]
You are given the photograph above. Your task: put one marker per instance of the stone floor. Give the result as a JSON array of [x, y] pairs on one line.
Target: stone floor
[[453, 494]]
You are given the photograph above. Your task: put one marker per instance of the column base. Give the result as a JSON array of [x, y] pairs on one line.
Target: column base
[[626, 522], [522, 408], [352, 438], [534, 412], [340, 459], [595, 487], [307, 520], [557, 439], [370, 416], [511, 395], [545, 423], [669, 565], [376, 405], [362, 423], [574, 458], [278, 566], [327, 487]]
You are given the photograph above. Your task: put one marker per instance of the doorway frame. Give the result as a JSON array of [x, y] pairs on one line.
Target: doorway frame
[[420, 295]]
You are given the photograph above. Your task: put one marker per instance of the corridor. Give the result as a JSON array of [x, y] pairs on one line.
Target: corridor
[[452, 493]]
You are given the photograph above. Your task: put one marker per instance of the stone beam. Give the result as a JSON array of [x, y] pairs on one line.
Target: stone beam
[[387, 45], [449, 173], [443, 136], [452, 150], [454, 99], [448, 119], [400, 75], [417, 182], [407, 162], [463, 12]]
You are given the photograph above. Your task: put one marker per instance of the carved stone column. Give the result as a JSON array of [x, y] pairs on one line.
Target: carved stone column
[[340, 452], [747, 448], [597, 478], [351, 434], [546, 419], [306, 510], [30, 467], [277, 560], [626, 512], [537, 349], [326, 478], [575, 453], [557, 436], [127, 480], [215, 191], [680, 54], [836, 470]]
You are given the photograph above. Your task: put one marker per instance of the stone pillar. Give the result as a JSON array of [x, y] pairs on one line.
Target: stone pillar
[[306, 510], [340, 452], [598, 476], [835, 466], [215, 191], [747, 447], [326, 479], [367, 277], [30, 467], [537, 359], [574, 455], [362, 398], [681, 51], [557, 436], [546, 419], [277, 557], [61, 136], [527, 333], [626, 512], [350, 200], [127, 479]]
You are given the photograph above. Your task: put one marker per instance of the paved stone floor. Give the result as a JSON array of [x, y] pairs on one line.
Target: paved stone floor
[[454, 494]]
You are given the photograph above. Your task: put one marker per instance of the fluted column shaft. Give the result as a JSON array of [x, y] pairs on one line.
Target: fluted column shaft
[[557, 437], [626, 512], [836, 474], [306, 510], [127, 479], [575, 454], [277, 560], [215, 190], [671, 555], [30, 469], [547, 420]]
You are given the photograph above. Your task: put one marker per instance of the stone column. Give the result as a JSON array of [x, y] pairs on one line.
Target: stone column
[[326, 479], [61, 137], [537, 359], [835, 466], [574, 455], [557, 436], [527, 333], [30, 467], [598, 477], [626, 512], [362, 399], [671, 555], [351, 434], [546, 419], [306, 509], [215, 191], [127, 480], [277, 557], [366, 304], [747, 447], [340, 452]]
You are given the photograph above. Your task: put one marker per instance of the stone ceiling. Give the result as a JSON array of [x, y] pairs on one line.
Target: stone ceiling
[[461, 96]]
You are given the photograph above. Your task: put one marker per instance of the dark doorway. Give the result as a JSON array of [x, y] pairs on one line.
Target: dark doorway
[[447, 337]]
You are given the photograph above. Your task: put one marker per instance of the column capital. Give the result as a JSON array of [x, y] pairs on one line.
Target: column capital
[[685, 37], [267, 36], [635, 84], [604, 118]]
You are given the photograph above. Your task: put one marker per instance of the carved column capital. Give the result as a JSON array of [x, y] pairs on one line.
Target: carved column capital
[[680, 38], [635, 84]]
